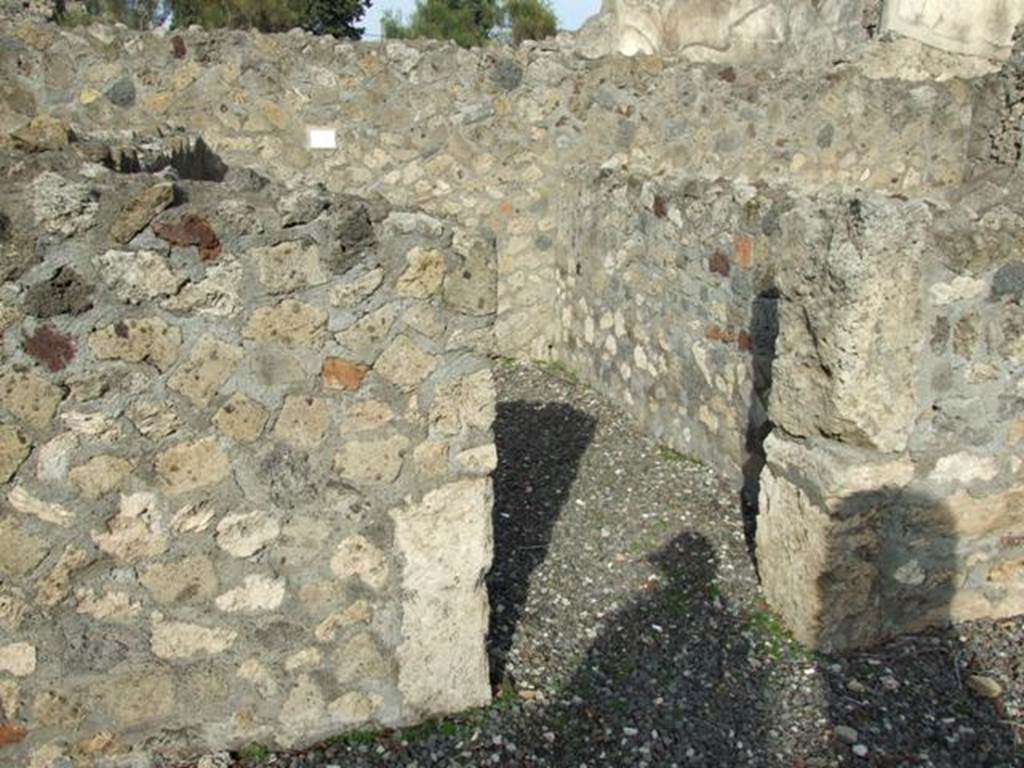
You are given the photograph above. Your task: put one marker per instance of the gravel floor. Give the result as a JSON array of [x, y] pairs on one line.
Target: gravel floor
[[627, 630]]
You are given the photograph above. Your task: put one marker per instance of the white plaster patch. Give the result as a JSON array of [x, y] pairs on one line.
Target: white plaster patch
[[322, 138]]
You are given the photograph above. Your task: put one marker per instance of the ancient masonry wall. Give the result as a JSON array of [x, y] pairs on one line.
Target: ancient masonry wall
[[876, 343], [245, 451], [485, 137], [281, 351]]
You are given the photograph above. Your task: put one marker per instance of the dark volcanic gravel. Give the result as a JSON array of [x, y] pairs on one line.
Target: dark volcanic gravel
[[627, 630]]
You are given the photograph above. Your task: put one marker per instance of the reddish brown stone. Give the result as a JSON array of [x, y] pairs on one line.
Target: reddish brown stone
[[178, 47], [191, 230], [714, 333], [660, 207], [12, 734], [50, 348], [506, 208], [744, 341], [744, 252], [719, 264], [343, 374]]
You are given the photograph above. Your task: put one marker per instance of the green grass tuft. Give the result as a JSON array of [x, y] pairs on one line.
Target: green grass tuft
[[253, 754], [557, 369], [778, 640], [356, 738], [671, 454]]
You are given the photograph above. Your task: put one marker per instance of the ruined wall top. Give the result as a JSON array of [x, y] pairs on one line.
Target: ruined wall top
[[813, 30], [709, 30]]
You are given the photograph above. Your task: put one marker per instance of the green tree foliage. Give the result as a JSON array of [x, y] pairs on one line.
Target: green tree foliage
[[531, 19], [137, 14], [466, 22], [265, 15], [334, 17]]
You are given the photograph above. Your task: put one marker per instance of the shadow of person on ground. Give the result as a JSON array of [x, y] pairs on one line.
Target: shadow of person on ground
[[668, 682], [540, 446], [908, 699]]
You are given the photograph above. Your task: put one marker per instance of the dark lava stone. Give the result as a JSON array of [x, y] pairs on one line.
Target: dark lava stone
[[64, 293]]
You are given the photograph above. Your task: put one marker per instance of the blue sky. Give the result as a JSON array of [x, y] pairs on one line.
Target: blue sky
[[571, 13]]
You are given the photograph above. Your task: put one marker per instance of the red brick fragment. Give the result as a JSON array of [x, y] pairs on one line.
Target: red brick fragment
[[714, 333], [744, 252], [191, 230], [12, 734], [343, 374], [50, 348]]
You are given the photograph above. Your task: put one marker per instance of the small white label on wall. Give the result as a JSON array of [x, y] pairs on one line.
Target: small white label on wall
[[322, 138]]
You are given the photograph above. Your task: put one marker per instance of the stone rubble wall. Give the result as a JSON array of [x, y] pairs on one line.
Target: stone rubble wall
[[258, 465], [245, 453], [486, 137], [878, 341]]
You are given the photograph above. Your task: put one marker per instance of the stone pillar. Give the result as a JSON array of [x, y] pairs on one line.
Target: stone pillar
[[844, 406], [893, 481]]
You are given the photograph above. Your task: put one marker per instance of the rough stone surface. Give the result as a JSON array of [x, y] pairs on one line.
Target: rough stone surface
[[18, 659], [241, 418], [208, 367], [43, 133], [20, 551], [405, 363], [243, 535], [136, 276], [287, 266], [290, 322], [257, 593], [446, 542], [63, 207], [358, 557], [272, 568], [303, 421], [64, 293], [141, 210], [149, 340], [189, 466], [192, 578], [373, 462], [100, 475], [136, 532], [177, 640], [14, 449]]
